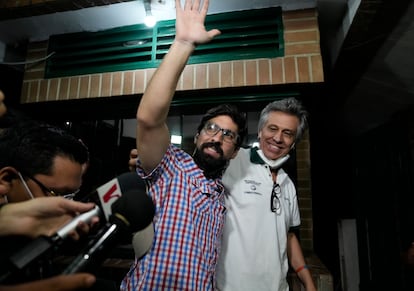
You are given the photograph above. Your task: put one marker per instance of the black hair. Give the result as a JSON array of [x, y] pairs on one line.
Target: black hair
[[30, 147]]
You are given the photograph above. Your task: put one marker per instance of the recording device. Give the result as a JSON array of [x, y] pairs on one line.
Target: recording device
[[132, 212], [111, 191], [86, 217]]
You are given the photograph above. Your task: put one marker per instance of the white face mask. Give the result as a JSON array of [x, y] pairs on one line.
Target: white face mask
[[274, 164]]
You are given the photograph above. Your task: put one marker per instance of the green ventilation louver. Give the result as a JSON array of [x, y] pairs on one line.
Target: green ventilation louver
[[245, 35]]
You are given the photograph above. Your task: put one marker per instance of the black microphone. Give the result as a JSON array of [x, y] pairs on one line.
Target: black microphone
[[132, 212], [38, 247], [109, 192]]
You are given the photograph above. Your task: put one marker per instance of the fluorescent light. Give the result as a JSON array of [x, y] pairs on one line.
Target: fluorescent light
[[150, 20], [176, 139]]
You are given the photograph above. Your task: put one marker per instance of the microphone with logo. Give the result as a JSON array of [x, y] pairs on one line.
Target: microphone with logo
[[132, 212], [109, 193]]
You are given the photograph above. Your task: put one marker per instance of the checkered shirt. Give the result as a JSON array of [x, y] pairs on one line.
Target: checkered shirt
[[188, 226]]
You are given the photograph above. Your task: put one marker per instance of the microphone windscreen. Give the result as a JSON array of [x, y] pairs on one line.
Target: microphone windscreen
[[142, 241], [136, 207], [130, 181], [132, 212], [115, 188]]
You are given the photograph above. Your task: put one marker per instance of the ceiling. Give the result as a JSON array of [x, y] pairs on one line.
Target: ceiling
[[366, 44], [64, 16], [375, 69]]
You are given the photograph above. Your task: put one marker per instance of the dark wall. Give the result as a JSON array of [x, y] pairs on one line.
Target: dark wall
[[367, 178], [331, 170], [11, 79], [384, 195]]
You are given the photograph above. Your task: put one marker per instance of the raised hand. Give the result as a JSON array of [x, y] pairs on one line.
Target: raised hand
[[190, 23]]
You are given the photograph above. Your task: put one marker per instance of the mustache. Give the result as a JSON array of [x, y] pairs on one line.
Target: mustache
[[215, 145]]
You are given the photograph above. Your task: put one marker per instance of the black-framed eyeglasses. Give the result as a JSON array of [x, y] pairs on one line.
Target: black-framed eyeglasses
[[212, 129], [51, 192], [275, 205]]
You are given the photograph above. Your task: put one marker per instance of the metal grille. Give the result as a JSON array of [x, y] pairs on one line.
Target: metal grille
[[245, 35]]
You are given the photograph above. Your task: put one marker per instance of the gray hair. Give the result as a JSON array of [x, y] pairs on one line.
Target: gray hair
[[290, 106]]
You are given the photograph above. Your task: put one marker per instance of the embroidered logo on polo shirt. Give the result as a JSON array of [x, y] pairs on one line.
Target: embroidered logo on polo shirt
[[253, 185]]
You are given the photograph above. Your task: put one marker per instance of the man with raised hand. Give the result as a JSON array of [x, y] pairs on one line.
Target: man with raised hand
[[187, 191]]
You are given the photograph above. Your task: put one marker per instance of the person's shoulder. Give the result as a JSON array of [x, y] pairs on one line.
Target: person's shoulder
[[241, 160], [243, 153], [284, 177], [178, 153], [180, 159], [286, 181]]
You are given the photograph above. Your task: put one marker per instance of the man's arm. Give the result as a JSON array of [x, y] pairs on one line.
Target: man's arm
[[297, 262], [153, 136], [80, 281]]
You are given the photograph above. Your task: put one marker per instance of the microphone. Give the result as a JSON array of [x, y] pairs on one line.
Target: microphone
[[133, 211], [110, 192], [106, 194], [142, 241], [86, 217]]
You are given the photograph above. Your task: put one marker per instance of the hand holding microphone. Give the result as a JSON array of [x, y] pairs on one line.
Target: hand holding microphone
[[132, 212], [53, 211], [40, 216]]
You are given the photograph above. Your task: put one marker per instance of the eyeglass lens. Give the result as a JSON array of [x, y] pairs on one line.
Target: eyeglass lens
[[51, 192], [212, 129]]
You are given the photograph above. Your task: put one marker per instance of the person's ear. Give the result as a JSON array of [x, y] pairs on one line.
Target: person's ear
[[7, 174], [196, 137]]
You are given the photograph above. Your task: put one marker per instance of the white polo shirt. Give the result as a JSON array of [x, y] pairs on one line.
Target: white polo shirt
[[253, 253]]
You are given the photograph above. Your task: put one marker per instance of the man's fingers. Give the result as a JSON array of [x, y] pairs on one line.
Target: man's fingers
[[204, 9], [133, 153], [213, 33], [196, 5], [188, 4]]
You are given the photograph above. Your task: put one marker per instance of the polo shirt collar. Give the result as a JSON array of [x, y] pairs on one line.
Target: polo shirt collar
[[255, 158]]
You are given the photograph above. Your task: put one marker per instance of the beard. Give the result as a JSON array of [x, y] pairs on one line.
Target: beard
[[212, 167]]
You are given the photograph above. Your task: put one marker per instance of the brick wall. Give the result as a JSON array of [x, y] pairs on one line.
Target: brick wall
[[304, 192], [302, 63]]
